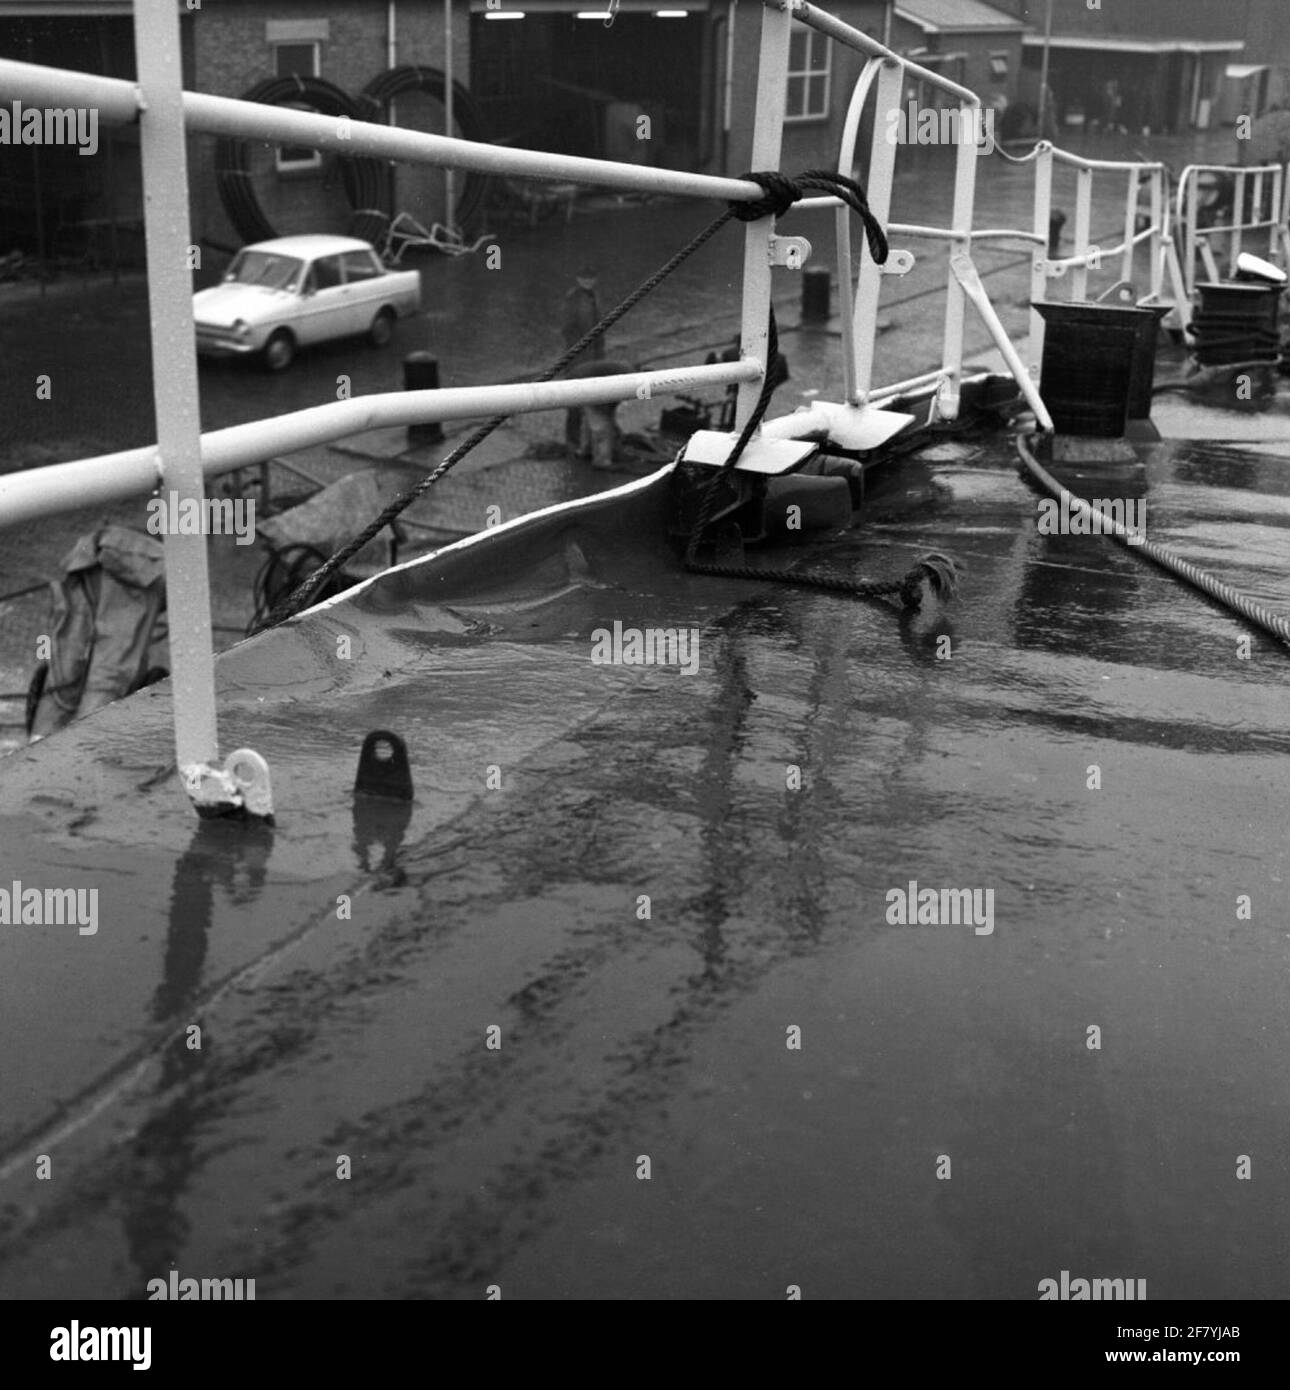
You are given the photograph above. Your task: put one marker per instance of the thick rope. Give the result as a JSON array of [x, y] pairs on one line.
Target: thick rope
[[1275, 624]]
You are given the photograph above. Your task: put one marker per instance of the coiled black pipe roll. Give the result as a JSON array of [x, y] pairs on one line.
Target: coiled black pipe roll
[[385, 87], [363, 178]]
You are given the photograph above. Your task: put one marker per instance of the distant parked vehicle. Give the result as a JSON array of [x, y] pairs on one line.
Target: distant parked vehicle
[[281, 295]]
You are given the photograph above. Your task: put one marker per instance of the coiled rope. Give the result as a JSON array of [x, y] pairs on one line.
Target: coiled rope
[[938, 571], [1275, 624]]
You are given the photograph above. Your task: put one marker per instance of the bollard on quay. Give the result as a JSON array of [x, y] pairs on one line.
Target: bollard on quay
[[421, 373], [815, 293], [1056, 221]]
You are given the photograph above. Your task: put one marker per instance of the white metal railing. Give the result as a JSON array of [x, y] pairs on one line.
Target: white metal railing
[[183, 457], [1149, 177], [1267, 185]]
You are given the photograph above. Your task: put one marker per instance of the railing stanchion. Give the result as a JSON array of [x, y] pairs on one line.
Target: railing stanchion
[[174, 374], [1159, 233], [882, 170], [1083, 226], [966, 155], [768, 130], [1039, 260], [1130, 226], [1238, 216], [842, 229]]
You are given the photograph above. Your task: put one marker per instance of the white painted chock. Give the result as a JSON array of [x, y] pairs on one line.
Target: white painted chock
[[856, 427], [241, 785], [769, 456]]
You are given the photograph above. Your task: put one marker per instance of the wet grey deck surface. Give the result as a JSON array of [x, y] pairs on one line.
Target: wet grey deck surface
[[621, 1037]]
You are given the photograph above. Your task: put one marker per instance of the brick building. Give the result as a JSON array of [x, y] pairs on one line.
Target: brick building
[[1176, 64], [972, 43]]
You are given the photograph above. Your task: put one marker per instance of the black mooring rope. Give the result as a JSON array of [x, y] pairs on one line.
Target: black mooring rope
[[781, 193]]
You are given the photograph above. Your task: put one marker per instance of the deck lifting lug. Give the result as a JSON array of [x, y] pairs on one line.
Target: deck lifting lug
[[898, 263], [240, 788], [383, 767], [792, 252]]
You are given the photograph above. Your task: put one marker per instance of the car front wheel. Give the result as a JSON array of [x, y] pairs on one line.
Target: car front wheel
[[279, 351], [382, 329]]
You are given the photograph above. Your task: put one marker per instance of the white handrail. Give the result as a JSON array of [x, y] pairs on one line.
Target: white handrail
[[853, 38], [129, 473], [120, 102]]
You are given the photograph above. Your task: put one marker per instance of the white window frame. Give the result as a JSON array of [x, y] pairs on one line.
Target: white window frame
[[813, 38], [1000, 56], [283, 164]]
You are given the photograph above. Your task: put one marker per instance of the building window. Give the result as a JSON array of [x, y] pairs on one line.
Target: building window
[[998, 68], [809, 65], [297, 60]]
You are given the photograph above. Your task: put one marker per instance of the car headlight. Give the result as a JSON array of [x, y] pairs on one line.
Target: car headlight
[[241, 328]]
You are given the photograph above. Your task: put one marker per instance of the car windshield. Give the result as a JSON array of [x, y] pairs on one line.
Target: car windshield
[[265, 268]]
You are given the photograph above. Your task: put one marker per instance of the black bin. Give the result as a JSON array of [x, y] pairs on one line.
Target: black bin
[[1089, 369], [421, 373]]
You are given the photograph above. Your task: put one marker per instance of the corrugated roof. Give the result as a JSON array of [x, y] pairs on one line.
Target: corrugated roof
[[948, 15]]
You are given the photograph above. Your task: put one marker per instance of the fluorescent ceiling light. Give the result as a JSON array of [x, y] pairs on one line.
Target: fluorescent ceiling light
[[503, 14], [593, 14], [669, 14]]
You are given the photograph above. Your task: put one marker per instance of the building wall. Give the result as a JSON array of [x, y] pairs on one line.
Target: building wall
[[1166, 19], [1267, 40], [73, 191], [978, 49], [809, 144], [231, 53]]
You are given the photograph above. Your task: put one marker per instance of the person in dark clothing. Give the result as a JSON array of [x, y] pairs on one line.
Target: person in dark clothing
[[581, 313]]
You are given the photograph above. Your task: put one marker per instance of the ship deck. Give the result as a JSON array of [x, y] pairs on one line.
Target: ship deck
[[947, 1127]]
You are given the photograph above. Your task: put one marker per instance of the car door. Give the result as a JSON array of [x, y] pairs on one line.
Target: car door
[[364, 277], [324, 305]]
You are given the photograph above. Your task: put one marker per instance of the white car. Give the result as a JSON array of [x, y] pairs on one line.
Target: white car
[[281, 295]]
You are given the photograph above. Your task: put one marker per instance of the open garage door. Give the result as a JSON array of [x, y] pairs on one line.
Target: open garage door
[[547, 75]]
